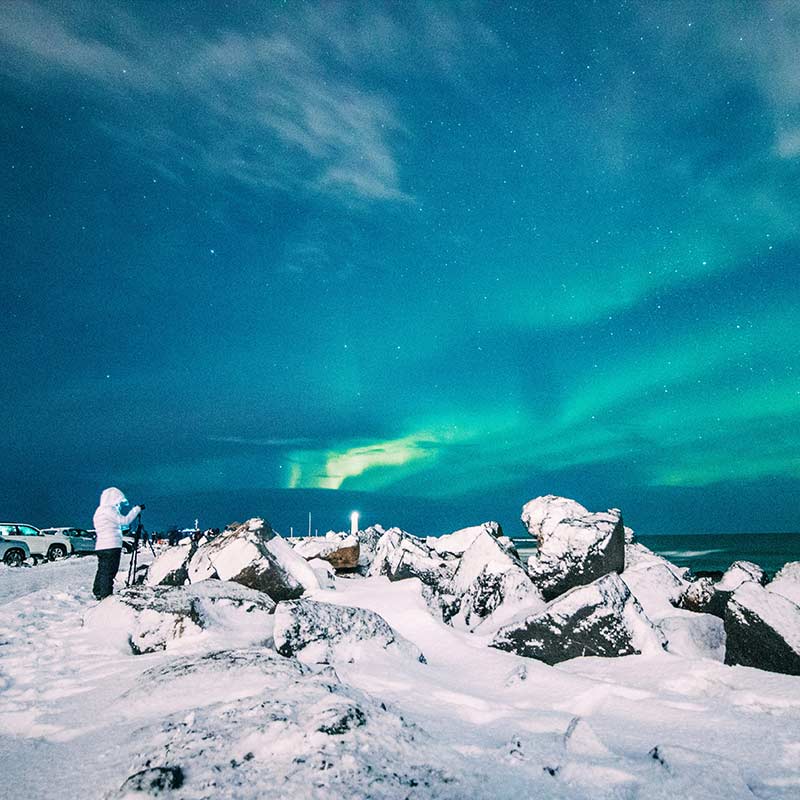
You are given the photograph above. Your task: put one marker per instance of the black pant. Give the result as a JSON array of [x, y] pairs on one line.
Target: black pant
[[107, 566]]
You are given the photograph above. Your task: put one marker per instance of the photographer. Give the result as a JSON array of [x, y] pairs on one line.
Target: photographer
[[109, 522]]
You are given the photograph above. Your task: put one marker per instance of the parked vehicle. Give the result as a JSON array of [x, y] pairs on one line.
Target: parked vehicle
[[14, 553], [82, 541], [40, 546]]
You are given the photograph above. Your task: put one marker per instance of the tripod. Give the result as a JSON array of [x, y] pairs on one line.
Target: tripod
[[137, 535]]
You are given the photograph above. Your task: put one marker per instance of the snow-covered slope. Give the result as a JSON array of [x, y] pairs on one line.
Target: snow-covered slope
[[80, 718]]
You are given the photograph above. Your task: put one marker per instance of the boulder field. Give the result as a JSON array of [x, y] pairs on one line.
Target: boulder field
[[590, 590]]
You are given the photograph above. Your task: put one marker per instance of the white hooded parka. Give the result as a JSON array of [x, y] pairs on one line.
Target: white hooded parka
[[109, 522]]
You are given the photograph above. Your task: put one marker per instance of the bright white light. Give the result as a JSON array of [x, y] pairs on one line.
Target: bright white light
[[354, 522]]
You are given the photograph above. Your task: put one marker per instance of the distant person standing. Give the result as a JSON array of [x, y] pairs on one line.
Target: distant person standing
[[109, 522]]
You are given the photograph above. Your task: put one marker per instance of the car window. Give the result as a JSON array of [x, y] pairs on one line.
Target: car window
[[6, 529], [26, 530]]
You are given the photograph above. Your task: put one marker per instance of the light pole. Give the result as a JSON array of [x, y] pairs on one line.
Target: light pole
[[353, 523]]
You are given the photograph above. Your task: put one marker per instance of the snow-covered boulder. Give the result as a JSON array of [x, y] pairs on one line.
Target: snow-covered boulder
[[399, 555], [738, 573], [698, 596], [707, 597], [170, 568], [368, 544], [575, 546], [787, 582], [601, 619], [659, 586], [490, 586], [324, 633], [326, 575], [762, 630], [656, 583], [145, 619], [342, 551], [693, 635], [456, 543], [542, 515], [250, 725], [253, 555]]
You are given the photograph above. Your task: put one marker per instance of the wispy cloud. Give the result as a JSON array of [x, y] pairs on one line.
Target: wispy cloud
[[263, 109]]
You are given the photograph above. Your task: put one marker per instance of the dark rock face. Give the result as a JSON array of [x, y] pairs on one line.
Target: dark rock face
[[601, 619], [253, 556], [399, 556], [575, 546], [762, 630], [154, 781], [328, 632]]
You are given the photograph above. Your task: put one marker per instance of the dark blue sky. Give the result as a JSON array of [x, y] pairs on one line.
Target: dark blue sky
[[430, 259]]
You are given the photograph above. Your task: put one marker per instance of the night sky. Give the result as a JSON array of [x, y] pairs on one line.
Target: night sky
[[427, 260]]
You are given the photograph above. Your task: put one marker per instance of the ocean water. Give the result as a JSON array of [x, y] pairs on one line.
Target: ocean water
[[713, 551], [716, 551]]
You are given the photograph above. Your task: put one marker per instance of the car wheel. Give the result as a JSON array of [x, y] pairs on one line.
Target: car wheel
[[14, 557], [56, 552]]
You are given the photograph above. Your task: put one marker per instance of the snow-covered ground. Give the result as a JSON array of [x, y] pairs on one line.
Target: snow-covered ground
[[78, 715]]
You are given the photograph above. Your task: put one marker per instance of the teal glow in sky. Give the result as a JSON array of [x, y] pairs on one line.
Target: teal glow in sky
[[435, 258]]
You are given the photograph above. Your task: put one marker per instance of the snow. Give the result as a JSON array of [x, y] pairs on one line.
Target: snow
[[780, 614], [738, 573], [787, 582], [542, 514], [78, 715], [459, 541]]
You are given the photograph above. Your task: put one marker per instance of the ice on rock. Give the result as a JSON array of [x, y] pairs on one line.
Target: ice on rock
[[400, 555], [490, 585], [762, 630], [368, 543], [787, 582], [254, 556], [144, 619], [601, 619], [324, 633], [576, 547]]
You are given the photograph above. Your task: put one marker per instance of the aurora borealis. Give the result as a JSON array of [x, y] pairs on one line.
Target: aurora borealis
[[435, 258]]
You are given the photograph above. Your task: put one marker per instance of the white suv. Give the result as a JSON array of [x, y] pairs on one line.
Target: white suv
[[41, 546]]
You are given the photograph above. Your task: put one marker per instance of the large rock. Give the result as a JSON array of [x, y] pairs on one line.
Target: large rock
[[575, 546], [340, 550], [144, 619], [458, 542], [601, 619], [762, 630], [490, 586], [787, 582], [368, 544], [323, 633], [170, 568], [253, 724], [400, 555], [706, 597], [659, 585], [254, 556]]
